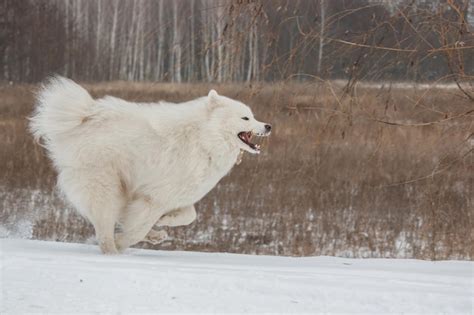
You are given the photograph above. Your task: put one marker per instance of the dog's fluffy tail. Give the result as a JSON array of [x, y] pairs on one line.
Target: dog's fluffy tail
[[61, 106]]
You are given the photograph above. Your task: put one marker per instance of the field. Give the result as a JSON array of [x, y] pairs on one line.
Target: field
[[380, 171]]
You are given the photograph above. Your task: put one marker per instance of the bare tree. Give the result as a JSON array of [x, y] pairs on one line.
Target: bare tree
[[216, 40]]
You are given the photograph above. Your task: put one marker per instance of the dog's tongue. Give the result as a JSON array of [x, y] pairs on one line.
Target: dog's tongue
[[247, 136]]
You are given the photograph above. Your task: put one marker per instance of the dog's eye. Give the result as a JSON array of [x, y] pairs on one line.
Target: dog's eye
[[245, 118]]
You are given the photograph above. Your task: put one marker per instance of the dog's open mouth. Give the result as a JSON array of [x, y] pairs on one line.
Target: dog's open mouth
[[245, 137]]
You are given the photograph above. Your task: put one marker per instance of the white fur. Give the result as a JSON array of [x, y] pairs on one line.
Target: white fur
[[137, 164]]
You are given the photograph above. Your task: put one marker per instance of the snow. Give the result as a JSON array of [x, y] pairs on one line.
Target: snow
[[403, 85], [48, 277]]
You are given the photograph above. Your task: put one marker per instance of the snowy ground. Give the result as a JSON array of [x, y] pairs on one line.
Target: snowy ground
[[47, 277]]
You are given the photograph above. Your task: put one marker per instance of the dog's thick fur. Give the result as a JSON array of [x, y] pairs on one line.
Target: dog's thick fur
[[136, 164]]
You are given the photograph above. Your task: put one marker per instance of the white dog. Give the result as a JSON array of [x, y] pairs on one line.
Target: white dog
[[139, 164]]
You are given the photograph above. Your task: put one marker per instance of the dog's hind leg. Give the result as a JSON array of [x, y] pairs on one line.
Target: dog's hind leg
[[139, 218], [155, 237], [136, 221], [178, 217], [104, 231], [99, 198]]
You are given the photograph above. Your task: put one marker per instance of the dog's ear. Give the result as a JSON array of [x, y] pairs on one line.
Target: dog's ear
[[213, 99]]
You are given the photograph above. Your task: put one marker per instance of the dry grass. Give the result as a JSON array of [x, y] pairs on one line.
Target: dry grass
[[333, 179]]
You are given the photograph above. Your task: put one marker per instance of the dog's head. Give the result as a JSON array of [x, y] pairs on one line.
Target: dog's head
[[236, 121]]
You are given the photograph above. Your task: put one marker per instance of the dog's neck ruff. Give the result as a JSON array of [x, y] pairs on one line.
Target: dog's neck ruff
[[221, 151]]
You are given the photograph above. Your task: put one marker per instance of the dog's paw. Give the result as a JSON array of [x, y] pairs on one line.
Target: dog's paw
[[155, 237], [108, 248]]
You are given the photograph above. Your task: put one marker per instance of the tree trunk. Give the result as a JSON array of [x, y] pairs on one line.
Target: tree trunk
[[322, 6]]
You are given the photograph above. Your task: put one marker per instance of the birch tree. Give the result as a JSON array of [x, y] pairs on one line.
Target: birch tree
[[322, 7], [176, 53]]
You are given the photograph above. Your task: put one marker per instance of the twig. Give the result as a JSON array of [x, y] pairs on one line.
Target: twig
[[432, 174], [422, 124]]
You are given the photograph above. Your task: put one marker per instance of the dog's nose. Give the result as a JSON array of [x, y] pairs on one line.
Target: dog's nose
[[268, 128]]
